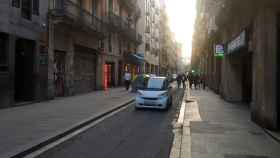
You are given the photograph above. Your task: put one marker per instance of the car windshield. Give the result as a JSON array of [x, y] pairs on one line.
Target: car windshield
[[155, 84]]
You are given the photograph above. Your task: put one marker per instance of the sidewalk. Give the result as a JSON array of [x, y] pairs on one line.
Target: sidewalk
[[214, 128], [23, 127]]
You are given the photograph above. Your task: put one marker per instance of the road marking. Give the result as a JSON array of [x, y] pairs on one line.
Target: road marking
[[73, 134]]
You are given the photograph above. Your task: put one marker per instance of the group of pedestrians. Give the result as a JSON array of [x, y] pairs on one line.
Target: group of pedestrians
[[197, 81], [181, 79]]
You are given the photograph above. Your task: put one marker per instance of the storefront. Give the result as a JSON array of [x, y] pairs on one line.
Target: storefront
[[85, 69], [24, 84], [237, 70], [134, 64]]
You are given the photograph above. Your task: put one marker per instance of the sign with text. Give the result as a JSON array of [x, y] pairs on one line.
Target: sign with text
[[219, 50], [237, 43]]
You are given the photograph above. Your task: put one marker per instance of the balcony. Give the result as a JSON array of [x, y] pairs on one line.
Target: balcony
[[70, 13], [114, 22], [131, 33]]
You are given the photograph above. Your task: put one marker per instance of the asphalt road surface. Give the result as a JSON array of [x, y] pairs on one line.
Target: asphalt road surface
[[127, 134]]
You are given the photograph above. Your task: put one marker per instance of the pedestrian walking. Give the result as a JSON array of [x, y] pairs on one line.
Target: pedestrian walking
[[127, 80], [191, 80], [184, 80], [179, 80]]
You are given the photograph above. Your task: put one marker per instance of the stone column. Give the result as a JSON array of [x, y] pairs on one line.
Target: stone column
[[51, 68], [264, 105], [69, 67], [116, 72], [100, 71], [37, 88]]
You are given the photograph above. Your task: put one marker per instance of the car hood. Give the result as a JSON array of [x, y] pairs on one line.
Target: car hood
[[151, 94]]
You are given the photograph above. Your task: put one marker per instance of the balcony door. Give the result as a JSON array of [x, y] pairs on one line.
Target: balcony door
[[26, 11], [95, 7]]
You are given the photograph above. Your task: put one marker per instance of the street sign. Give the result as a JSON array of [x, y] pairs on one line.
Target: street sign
[[219, 50]]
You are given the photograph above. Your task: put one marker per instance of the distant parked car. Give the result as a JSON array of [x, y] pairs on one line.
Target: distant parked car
[[157, 94]]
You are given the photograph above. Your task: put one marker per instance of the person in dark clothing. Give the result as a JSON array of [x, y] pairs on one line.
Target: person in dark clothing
[[184, 80], [190, 77], [196, 81], [203, 80], [179, 80]]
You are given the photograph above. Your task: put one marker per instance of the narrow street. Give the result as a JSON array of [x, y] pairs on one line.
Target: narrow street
[[129, 133]]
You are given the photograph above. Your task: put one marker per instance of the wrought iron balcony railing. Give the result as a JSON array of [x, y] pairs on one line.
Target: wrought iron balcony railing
[[74, 13]]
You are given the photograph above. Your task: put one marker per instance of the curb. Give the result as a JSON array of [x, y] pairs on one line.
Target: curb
[[274, 137], [28, 149], [179, 129]]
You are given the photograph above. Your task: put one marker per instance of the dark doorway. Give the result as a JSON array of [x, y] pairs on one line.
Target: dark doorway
[[110, 74], [24, 70], [59, 60], [247, 78]]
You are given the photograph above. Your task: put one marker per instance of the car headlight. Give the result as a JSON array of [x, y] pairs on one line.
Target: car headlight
[[163, 94], [139, 93]]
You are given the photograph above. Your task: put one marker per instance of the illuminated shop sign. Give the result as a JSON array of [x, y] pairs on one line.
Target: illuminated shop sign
[[237, 43], [219, 50]]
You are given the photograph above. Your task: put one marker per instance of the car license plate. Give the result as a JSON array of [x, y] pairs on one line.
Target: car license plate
[[149, 103]]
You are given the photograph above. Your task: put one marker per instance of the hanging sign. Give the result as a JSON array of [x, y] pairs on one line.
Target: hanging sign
[[219, 50], [237, 43]]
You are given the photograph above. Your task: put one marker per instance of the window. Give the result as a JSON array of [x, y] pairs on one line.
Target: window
[[111, 5], [16, 3], [35, 7], [26, 9], [94, 7], [155, 84], [148, 47]]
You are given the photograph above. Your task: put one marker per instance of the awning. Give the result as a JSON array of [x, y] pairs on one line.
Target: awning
[[135, 58]]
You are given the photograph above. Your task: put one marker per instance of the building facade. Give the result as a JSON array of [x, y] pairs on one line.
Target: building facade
[[149, 28], [23, 53], [91, 42], [249, 70]]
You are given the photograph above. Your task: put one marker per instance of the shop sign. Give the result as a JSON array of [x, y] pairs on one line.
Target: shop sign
[[219, 50], [237, 43]]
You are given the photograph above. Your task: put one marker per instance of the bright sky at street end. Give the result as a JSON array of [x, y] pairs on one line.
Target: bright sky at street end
[[182, 14]]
